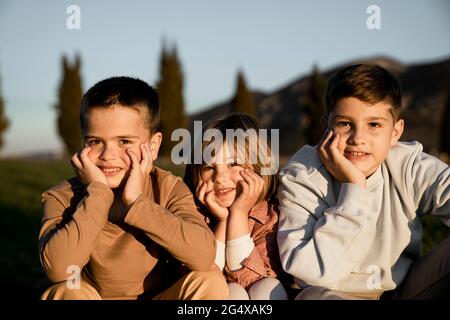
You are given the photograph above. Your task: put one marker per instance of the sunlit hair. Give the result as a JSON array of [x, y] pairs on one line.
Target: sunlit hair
[[123, 92], [368, 83], [243, 153]]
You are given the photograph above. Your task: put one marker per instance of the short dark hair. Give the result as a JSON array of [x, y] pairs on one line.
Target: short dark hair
[[366, 82], [126, 92]]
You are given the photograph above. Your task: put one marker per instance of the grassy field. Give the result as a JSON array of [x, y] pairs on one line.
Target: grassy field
[[22, 183]]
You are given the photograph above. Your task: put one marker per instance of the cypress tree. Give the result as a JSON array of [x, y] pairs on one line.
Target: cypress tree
[[170, 90], [4, 122], [68, 106], [243, 98], [445, 130], [314, 108]]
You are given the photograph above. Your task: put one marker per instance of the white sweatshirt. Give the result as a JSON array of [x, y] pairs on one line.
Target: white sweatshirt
[[348, 238]]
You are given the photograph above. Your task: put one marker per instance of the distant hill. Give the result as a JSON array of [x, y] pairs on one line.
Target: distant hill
[[424, 89]]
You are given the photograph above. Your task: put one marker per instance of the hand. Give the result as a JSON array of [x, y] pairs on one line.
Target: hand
[[336, 163], [210, 202], [139, 171], [87, 171], [251, 186]]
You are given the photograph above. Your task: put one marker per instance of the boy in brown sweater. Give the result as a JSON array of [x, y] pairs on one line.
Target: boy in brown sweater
[[123, 228]]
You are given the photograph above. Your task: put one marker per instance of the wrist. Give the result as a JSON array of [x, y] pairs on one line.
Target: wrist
[[360, 182], [239, 212], [131, 200]]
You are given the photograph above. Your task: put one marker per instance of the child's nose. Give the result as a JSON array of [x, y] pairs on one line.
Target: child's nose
[[108, 153], [220, 176], [357, 136]]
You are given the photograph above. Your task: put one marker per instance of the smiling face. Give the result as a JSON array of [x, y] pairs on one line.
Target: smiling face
[[367, 132], [222, 176], [110, 132]]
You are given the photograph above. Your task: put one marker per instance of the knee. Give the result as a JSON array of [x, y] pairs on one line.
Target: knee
[[211, 284], [268, 289], [237, 292], [61, 291]]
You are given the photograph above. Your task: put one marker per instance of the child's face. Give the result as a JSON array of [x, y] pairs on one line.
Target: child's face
[[109, 133], [222, 176], [367, 132]]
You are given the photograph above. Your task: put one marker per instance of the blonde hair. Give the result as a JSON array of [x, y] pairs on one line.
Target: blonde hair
[[244, 152]]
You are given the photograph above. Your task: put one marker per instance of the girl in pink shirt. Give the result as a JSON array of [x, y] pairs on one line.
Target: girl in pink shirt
[[235, 186]]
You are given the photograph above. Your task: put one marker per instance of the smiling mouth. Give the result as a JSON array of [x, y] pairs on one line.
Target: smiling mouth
[[355, 155], [110, 171], [223, 192]]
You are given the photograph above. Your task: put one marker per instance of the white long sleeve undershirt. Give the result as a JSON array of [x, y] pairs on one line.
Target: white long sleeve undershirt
[[237, 250]]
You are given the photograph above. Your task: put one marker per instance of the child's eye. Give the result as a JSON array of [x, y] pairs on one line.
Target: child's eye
[[343, 123], [232, 164], [124, 141], [207, 168], [375, 124], [93, 142]]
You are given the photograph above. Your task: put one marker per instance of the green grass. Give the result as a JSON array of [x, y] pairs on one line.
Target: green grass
[[21, 186], [22, 183]]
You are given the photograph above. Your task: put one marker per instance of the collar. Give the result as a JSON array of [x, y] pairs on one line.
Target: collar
[[374, 178], [261, 212]]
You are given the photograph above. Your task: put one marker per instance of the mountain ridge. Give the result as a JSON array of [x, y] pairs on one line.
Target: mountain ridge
[[425, 86]]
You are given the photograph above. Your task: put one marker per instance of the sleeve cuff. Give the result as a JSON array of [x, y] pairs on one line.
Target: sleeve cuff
[[220, 254], [99, 199], [237, 250]]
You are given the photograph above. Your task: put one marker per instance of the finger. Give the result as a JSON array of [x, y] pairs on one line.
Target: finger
[[250, 179], [126, 159], [328, 139], [76, 163], [84, 155], [323, 154], [324, 137], [134, 160], [244, 186], [259, 182], [323, 149], [209, 198], [323, 142], [334, 151], [145, 157], [150, 158]]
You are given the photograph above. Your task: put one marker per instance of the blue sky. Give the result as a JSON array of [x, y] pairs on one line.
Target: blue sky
[[272, 41]]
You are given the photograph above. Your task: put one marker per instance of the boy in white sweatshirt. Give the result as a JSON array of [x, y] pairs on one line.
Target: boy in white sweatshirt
[[349, 223]]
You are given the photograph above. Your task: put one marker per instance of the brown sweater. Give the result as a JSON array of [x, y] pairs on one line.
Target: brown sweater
[[130, 254]]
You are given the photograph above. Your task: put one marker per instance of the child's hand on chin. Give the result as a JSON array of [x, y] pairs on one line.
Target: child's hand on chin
[[336, 163], [251, 189], [210, 201], [139, 171], [87, 171]]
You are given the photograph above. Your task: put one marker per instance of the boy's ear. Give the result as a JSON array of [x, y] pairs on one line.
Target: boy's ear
[[155, 144], [397, 132]]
